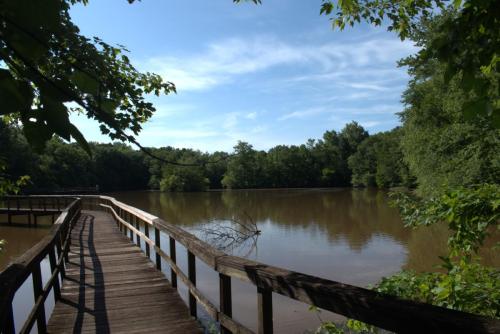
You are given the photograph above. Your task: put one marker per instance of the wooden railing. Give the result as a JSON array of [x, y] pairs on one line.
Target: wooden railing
[[378, 309], [383, 311], [55, 245]]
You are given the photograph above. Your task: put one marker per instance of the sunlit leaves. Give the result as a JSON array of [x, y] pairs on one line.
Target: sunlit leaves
[[50, 64], [468, 44]]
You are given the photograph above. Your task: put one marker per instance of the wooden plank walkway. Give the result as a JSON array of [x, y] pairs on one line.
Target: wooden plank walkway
[[111, 286]]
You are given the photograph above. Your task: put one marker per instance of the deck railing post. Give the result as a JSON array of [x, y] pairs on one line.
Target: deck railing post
[[8, 327], [265, 310], [173, 256], [53, 268], [59, 245], [192, 278], [128, 220], [225, 299], [146, 232], [136, 220], [38, 291], [158, 244]]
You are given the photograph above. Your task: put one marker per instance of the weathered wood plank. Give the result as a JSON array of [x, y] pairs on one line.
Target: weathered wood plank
[[110, 285]]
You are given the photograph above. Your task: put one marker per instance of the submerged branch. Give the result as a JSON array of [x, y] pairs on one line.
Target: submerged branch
[[230, 234]]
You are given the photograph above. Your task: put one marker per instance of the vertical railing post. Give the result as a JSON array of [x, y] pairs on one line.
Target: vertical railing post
[[146, 232], [158, 244], [8, 327], [192, 278], [225, 299], [59, 245], [38, 291], [136, 220], [265, 310], [173, 256], [53, 268], [128, 220]]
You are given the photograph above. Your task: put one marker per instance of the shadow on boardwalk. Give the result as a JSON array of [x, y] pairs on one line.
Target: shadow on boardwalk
[[111, 286]]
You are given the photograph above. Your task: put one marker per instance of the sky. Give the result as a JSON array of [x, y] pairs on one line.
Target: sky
[[268, 74]]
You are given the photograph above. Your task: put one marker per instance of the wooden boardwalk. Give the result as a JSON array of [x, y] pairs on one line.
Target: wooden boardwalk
[[111, 286]]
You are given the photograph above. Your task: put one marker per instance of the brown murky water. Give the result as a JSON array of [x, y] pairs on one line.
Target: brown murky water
[[351, 236]]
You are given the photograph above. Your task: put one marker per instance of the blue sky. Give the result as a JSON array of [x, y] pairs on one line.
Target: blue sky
[[270, 74]]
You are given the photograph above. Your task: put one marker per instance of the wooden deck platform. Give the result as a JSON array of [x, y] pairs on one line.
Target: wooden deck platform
[[111, 286]]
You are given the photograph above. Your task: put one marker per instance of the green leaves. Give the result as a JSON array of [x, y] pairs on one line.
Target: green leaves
[[15, 95], [46, 57], [79, 138], [469, 213], [85, 82]]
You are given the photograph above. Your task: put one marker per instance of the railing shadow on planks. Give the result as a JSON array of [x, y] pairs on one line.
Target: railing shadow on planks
[[383, 311]]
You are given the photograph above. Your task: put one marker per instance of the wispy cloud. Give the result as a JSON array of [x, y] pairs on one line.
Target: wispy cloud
[[381, 109], [222, 61]]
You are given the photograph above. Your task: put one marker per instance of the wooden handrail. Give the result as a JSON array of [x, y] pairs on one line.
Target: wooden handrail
[[382, 310], [13, 277]]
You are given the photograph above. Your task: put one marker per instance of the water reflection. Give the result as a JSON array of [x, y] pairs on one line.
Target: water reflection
[[351, 236]]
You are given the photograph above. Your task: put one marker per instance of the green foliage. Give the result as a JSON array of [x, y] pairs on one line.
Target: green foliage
[[49, 64], [469, 212], [245, 169], [465, 42], [184, 179], [7, 186], [468, 287], [440, 145], [378, 161]]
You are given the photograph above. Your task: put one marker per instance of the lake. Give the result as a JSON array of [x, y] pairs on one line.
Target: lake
[[347, 235]]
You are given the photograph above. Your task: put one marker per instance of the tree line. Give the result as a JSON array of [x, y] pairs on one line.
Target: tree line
[[338, 159]]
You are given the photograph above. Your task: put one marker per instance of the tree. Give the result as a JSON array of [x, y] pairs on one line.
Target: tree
[[244, 169], [465, 43], [440, 145], [50, 66]]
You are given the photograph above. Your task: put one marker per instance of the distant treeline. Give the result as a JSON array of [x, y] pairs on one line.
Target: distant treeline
[[350, 156], [437, 145]]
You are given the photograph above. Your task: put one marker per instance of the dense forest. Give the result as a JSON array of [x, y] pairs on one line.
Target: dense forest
[[338, 159]]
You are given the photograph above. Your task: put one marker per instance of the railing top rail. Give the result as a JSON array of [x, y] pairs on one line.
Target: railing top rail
[[378, 309], [18, 270]]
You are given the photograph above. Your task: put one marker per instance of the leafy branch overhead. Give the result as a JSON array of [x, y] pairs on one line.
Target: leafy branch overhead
[[51, 70], [468, 44]]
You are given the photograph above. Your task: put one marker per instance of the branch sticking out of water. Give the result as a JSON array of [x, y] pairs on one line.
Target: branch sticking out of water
[[231, 234]]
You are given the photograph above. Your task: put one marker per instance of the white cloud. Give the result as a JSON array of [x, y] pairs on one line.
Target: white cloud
[[222, 61], [173, 133], [303, 113], [251, 115]]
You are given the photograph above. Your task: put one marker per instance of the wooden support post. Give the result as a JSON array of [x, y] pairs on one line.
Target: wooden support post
[[158, 244], [38, 291], [131, 223], [146, 232], [53, 267], [265, 311], [225, 299], [137, 238], [59, 244], [173, 256], [8, 327], [192, 278]]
